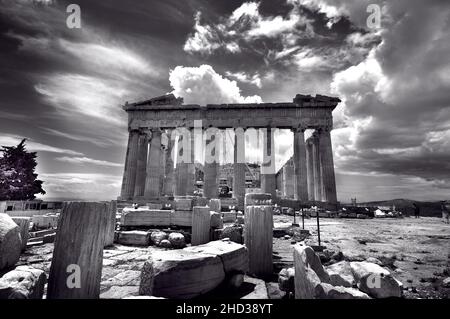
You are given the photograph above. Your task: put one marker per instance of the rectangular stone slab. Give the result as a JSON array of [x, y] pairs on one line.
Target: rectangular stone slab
[[183, 204], [234, 256], [145, 217], [134, 237], [180, 274], [181, 218]]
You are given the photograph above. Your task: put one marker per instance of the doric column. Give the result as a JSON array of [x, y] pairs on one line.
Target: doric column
[[301, 184], [239, 167], [129, 174], [212, 155], [169, 178], [181, 168], [162, 168], [141, 165], [317, 172], [327, 166], [289, 179], [268, 181], [152, 181], [310, 169], [190, 183]]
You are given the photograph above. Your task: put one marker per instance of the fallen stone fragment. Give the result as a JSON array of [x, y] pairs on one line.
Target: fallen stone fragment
[[165, 243], [157, 236], [446, 282], [216, 220], [10, 242], [133, 237], [313, 260], [177, 240], [234, 256], [374, 261], [259, 290], [274, 291], [375, 280], [120, 292], [234, 233], [327, 291], [286, 279], [341, 274], [180, 274], [307, 270], [24, 225], [192, 271], [24, 282]]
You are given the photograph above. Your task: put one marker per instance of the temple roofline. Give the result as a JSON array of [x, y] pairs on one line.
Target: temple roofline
[[169, 101]]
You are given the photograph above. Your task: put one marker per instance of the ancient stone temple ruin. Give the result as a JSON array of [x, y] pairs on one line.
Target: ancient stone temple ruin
[[150, 172]]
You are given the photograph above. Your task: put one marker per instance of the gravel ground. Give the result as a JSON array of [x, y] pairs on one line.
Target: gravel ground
[[417, 251]]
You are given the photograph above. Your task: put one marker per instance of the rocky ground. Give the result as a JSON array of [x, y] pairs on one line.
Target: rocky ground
[[417, 251]]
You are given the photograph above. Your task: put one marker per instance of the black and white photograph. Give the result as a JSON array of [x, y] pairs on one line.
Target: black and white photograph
[[257, 152]]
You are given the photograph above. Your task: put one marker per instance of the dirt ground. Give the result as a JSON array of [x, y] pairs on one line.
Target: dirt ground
[[417, 251]]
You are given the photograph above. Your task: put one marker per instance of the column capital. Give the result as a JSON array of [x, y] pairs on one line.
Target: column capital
[[299, 129], [324, 128]]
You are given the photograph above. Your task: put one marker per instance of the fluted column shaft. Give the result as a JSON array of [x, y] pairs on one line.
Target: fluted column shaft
[[239, 167], [129, 174], [268, 180], [152, 181], [169, 178], [210, 187], [181, 168], [288, 180], [317, 172], [310, 169], [301, 184], [141, 171], [327, 166], [190, 183]]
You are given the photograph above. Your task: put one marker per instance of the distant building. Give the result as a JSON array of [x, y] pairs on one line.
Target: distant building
[[30, 207]]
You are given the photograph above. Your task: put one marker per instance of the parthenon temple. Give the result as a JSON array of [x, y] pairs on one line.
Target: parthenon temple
[[152, 171]]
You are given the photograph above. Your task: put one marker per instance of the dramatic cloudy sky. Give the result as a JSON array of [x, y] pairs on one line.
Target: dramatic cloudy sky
[[62, 88]]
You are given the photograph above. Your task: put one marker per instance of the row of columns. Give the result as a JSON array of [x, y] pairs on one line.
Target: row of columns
[[314, 178], [149, 168]]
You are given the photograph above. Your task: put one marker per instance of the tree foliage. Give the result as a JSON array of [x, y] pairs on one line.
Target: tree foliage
[[18, 180]]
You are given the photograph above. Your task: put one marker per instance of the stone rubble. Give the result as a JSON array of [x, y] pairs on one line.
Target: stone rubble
[[10, 242], [24, 282]]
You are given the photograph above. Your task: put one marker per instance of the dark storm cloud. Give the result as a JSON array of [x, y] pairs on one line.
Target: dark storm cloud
[[402, 91]]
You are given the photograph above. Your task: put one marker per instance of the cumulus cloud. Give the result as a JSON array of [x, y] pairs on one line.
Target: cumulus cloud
[[254, 79], [203, 85]]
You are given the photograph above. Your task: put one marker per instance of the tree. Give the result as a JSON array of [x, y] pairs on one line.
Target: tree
[[18, 180]]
